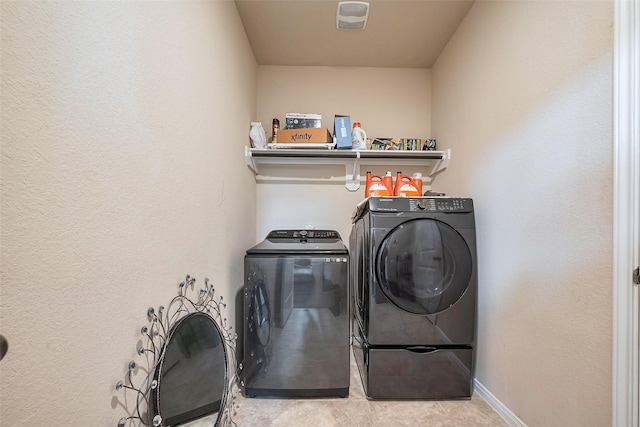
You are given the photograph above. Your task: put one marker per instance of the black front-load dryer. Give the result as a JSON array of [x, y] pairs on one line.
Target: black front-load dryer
[[414, 278]]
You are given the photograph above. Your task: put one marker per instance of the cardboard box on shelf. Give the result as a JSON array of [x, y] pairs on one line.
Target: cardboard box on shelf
[[342, 132], [305, 135]]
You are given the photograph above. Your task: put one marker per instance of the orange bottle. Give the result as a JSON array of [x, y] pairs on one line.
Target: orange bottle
[[417, 182], [408, 186], [377, 186], [388, 181]]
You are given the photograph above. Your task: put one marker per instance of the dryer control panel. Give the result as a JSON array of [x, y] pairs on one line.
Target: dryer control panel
[[420, 204], [441, 205]]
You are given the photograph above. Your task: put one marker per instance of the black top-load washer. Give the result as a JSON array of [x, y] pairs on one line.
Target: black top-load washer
[[296, 320]]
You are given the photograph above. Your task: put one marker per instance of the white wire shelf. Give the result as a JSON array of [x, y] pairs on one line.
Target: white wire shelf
[[256, 158]]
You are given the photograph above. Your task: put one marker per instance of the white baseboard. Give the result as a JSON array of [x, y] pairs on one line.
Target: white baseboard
[[497, 405]]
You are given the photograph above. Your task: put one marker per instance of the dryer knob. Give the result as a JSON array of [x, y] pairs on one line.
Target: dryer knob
[[422, 204]]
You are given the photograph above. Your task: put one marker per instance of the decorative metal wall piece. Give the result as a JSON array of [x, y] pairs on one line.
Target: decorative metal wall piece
[[188, 352]]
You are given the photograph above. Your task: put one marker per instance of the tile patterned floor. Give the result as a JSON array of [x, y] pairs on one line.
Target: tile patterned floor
[[357, 411]]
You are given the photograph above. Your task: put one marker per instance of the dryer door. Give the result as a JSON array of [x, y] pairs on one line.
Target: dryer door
[[423, 266]]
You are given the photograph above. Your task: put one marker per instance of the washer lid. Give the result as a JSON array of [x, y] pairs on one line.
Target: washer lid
[[423, 266], [300, 241]]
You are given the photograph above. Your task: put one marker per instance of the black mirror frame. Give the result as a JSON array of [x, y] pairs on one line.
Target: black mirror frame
[[156, 337]]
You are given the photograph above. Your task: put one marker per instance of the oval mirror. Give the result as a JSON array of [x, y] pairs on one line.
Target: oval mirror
[[192, 376]]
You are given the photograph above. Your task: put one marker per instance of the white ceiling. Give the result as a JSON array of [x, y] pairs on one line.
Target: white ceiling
[[399, 33]]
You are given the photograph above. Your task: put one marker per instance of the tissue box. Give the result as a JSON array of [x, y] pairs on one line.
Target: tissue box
[[342, 132]]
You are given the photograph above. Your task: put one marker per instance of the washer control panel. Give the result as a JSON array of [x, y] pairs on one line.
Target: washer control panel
[[297, 235]]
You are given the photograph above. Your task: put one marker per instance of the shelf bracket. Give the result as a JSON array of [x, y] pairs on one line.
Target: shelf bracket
[[442, 164], [352, 177], [250, 161]]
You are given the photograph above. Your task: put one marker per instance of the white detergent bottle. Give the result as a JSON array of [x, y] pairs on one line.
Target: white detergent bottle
[[358, 137]]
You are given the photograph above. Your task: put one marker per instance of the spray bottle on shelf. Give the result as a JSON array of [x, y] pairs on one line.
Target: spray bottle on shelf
[[275, 127]]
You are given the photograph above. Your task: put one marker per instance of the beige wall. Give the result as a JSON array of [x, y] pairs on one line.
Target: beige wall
[[123, 126], [389, 102], [522, 95]]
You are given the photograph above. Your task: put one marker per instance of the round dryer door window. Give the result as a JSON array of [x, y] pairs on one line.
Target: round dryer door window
[[423, 266]]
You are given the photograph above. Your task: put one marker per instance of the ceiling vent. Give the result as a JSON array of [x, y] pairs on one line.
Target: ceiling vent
[[352, 15]]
